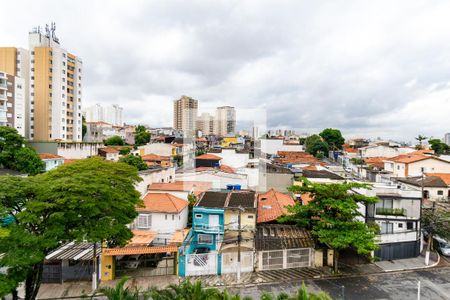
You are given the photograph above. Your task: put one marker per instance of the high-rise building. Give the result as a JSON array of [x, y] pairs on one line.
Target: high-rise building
[[110, 114], [225, 121], [205, 123], [12, 102], [185, 114], [447, 138], [53, 84]]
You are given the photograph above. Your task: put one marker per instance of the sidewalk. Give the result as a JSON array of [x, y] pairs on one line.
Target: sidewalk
[[409, 263]]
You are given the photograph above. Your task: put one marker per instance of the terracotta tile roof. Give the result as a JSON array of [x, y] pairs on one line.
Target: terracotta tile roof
[[162, 202], [139, 250], [185, 186], [292, 157], [408, 158], [272, 205], [350, 150], [49, 156], [421, 152], [179, 236], [223, 168], [142, 238], [313, 168], [209, 157], [376, 161], [154, 157], [444, 176], [306, 198], [108, 150]]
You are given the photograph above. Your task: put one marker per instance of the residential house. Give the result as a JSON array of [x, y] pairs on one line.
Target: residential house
[[97, 132], [51, 160], [232, 157], [272, 146], [157, 160], [109, 153], [444, 177], [162, 213], [398, 215], [274, 176], [434, 187], [207, 160], [211, 246], [383, 150], [283, 247], [414, 165], [154, 175], [219, 178]]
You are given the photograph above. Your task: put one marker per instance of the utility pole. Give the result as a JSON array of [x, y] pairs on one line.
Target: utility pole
[[94, 262], [239, 238]]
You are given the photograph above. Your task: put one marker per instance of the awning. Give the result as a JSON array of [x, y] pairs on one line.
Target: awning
[[74, 251], [139, 250]]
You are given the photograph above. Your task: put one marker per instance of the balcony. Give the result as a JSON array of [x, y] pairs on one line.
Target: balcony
[[206, 228], [391, 211]]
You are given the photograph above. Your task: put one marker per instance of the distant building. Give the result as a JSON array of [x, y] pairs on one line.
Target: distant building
[[205, 124], [110, 114], [185, 114], [12, 102], [225, 121], [447, 138]]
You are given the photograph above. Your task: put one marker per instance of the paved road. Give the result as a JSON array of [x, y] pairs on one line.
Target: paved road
[[435, 284]]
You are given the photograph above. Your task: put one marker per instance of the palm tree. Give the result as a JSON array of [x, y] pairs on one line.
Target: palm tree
[[186, 290], [302, 294], [119, 292], [420, 138]]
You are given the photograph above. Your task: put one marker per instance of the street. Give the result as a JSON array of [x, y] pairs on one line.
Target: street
[[435, 284]]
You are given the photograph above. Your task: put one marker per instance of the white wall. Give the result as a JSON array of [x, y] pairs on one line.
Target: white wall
[[219, 180], [233, 159], [151, 176], [380, 151], [158, 149], [430, 165], [78, 150], [166, 227], [272, 146]]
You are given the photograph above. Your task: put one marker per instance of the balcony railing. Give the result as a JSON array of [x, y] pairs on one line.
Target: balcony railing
[[208, 228], [391, 211]]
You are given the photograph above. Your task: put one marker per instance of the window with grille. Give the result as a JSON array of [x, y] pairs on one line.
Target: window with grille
[[144, 221]]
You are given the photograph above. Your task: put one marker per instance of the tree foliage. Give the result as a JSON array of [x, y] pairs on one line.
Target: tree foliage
[[115, 140], [89, 200], [420, 138], [141, 136], [438, 146], [332, 214], [125, 151], [135, 161], [315, 144], [14, 156], [333, 137]]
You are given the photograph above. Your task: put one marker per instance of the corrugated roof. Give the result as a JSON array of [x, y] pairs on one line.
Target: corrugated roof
[[277, 237], [74, 251], [245, 199], [213, 199]]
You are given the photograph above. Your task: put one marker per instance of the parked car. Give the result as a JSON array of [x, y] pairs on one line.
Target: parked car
[[131, 261], [442, 245]]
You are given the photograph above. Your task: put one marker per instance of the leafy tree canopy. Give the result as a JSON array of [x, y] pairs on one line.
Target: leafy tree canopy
[[141, 136], [333, 138], [438, 146], [115, 140], [90, 200], [315, 144], [13, 155], [332, 214], [135, 161]]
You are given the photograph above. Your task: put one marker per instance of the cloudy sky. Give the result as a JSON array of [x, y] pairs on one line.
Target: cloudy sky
[[370, 68]]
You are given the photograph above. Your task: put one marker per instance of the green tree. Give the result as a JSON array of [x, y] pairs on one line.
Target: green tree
[[315, 144], [125, 151], [27, 160], [141, 136], [13, 155], [333, 138], [135, 161], [115, 140], [91, 200], [438, 146], [331, 216], [120, 292], [420, 138], [83, 127]]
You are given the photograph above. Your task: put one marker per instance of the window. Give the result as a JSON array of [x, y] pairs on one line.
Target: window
[[205, 239], [387, 228], [250, 216], [173, 217], [409, 225], [400, 225], [144, 221], [198, 216], [398, 167], [440, 193], [166, 217], [385, 203]]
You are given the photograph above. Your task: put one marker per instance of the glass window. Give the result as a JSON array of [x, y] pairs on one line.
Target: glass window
[[205, 239], [440, 193], [198, 216]]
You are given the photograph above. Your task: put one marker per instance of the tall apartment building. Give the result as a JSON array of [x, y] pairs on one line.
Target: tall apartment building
[[205, 123], [447, 138], [185, 114], [12, 102], [225, 121], [109, 114], [53, 84]]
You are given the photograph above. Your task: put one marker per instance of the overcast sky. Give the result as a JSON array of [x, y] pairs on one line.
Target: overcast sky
[[370, 68]]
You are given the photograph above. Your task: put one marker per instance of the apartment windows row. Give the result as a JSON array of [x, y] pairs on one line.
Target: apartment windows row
[[393, 227]]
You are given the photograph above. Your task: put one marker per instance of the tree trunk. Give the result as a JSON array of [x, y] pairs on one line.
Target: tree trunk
[[430, 242], [335, 261], [15, 295], [33, 281]]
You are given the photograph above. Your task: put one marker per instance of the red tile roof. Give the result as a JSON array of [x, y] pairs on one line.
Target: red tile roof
[[223, 168], [163, 203], [142, 238], [293, 157], [49, 156], [376, 161], [408, 158], [179, 236], [444, 176], [139, 250], [209, 157], [154, 157], [350, 150], [108, 150], [184, 186], [312, 168], [272, 205]]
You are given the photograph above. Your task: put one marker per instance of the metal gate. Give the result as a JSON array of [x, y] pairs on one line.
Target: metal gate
[[52, 273], [230, 262], [284, 259], [298, 258], [201, 264], [272, 260]]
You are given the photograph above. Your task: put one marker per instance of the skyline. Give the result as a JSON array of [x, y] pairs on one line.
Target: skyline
[[384, 76]]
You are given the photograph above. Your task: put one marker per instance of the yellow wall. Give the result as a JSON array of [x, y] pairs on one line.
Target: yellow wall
[[8, 57], [42, 124], [108, 268], [246, 222], [229, 140]]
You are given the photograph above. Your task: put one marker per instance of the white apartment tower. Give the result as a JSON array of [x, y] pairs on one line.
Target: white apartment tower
[[185, 114], [205, 123], [109, 114], [225, 121]]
